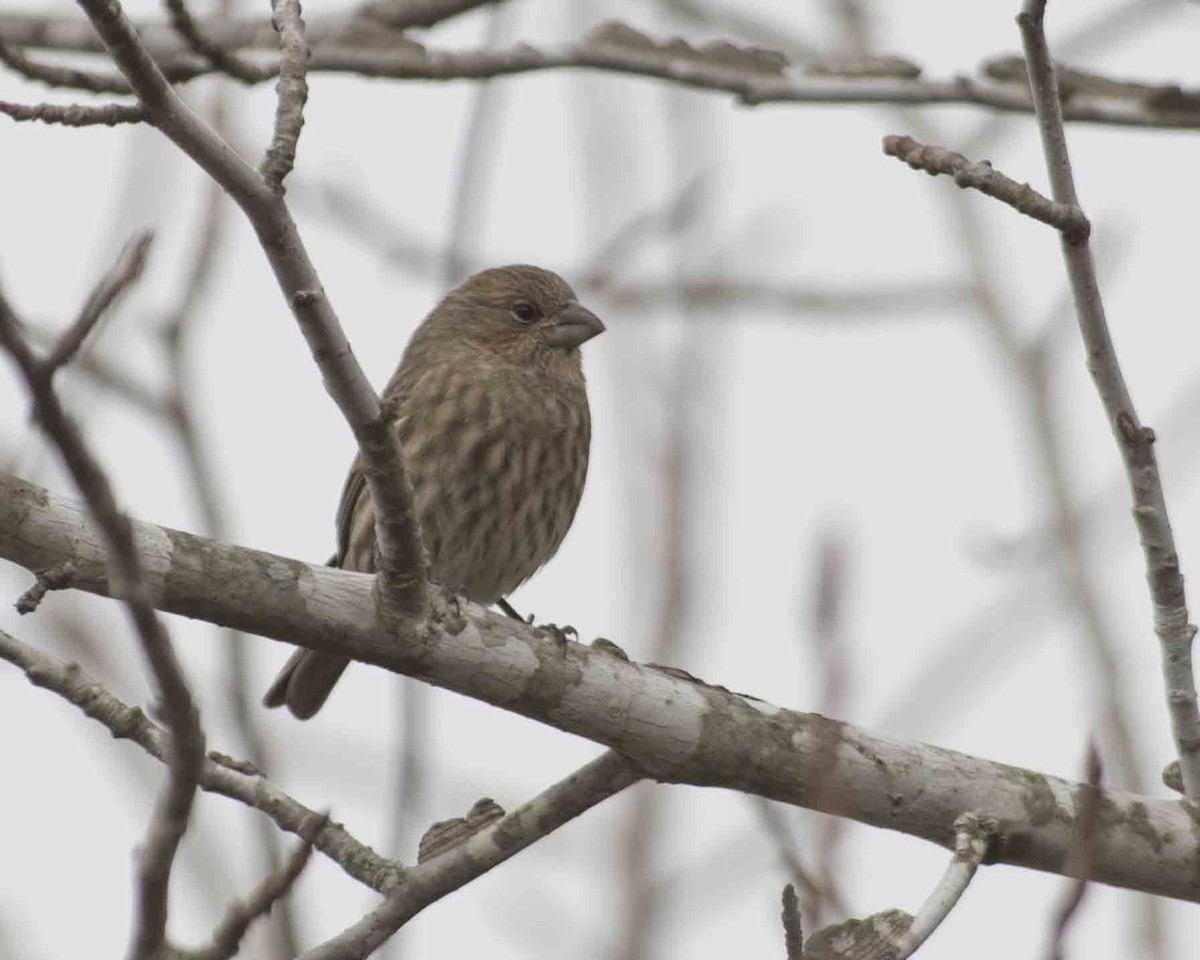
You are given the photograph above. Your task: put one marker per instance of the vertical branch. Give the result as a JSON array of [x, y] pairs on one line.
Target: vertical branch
[[1134, 440], [829, 644], [177, 334], [1082, 860], [677, 474], [292, 90], [172, 808]]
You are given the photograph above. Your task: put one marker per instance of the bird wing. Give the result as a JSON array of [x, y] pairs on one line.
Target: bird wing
[[354, 488]]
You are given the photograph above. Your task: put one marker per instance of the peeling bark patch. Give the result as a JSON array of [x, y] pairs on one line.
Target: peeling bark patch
[[1138, 821], [733, 748], [28, 499], [1038, 799], [559, 670], [1193, 813], [195, 558]]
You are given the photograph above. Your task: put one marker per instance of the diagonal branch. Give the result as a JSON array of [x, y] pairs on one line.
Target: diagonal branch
[[677, 728], [433, 879], [220, 774], [199, 41], [126, 270], [401, 580], [1135, 441], [227, 937]]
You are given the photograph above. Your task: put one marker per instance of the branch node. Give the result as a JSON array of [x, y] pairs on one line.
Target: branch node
[[58, 577], [447, 834]]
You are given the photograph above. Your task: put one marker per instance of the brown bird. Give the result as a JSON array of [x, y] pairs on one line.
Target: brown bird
[[491, 408]]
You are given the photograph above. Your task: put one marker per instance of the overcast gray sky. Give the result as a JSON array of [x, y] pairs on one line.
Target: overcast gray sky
[[899, 430]]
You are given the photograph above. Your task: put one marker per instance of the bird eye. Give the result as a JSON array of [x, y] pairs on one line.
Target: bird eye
[[525, 311]]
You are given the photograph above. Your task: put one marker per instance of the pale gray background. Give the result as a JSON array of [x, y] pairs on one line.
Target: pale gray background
[[902, 433]]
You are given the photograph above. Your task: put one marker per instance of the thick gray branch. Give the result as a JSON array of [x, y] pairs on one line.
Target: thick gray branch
[[676, 729]]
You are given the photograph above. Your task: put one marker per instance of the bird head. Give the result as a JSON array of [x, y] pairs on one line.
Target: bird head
[[520, 313]]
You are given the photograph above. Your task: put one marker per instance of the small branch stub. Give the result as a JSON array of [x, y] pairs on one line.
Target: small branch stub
[[54, 578], [1067, 218]]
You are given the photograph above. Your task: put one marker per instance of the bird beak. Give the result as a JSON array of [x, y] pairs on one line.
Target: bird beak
[[573, 325]]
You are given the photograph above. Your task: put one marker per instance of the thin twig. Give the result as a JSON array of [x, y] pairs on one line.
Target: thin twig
[[972, 837], [1135, 441], [123, 273], [291, 94], [220, 774], [55, 75], [404, 14], [74, 114], [199, 41], [227, 937], [813, 888], [432, 879], [981, 176]]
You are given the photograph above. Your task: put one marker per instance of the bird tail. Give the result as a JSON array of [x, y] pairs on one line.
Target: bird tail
[[305, 682]]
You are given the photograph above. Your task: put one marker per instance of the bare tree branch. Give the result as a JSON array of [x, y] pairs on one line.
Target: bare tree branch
[[227, 937], [432, 879], [74, 114], [1166, 106], [121, 275], [199, 41], [678, 729], [291, 91], [816, 893], [220, 774], [1135, 441]]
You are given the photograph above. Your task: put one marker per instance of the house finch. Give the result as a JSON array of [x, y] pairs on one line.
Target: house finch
[[491, 408]]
